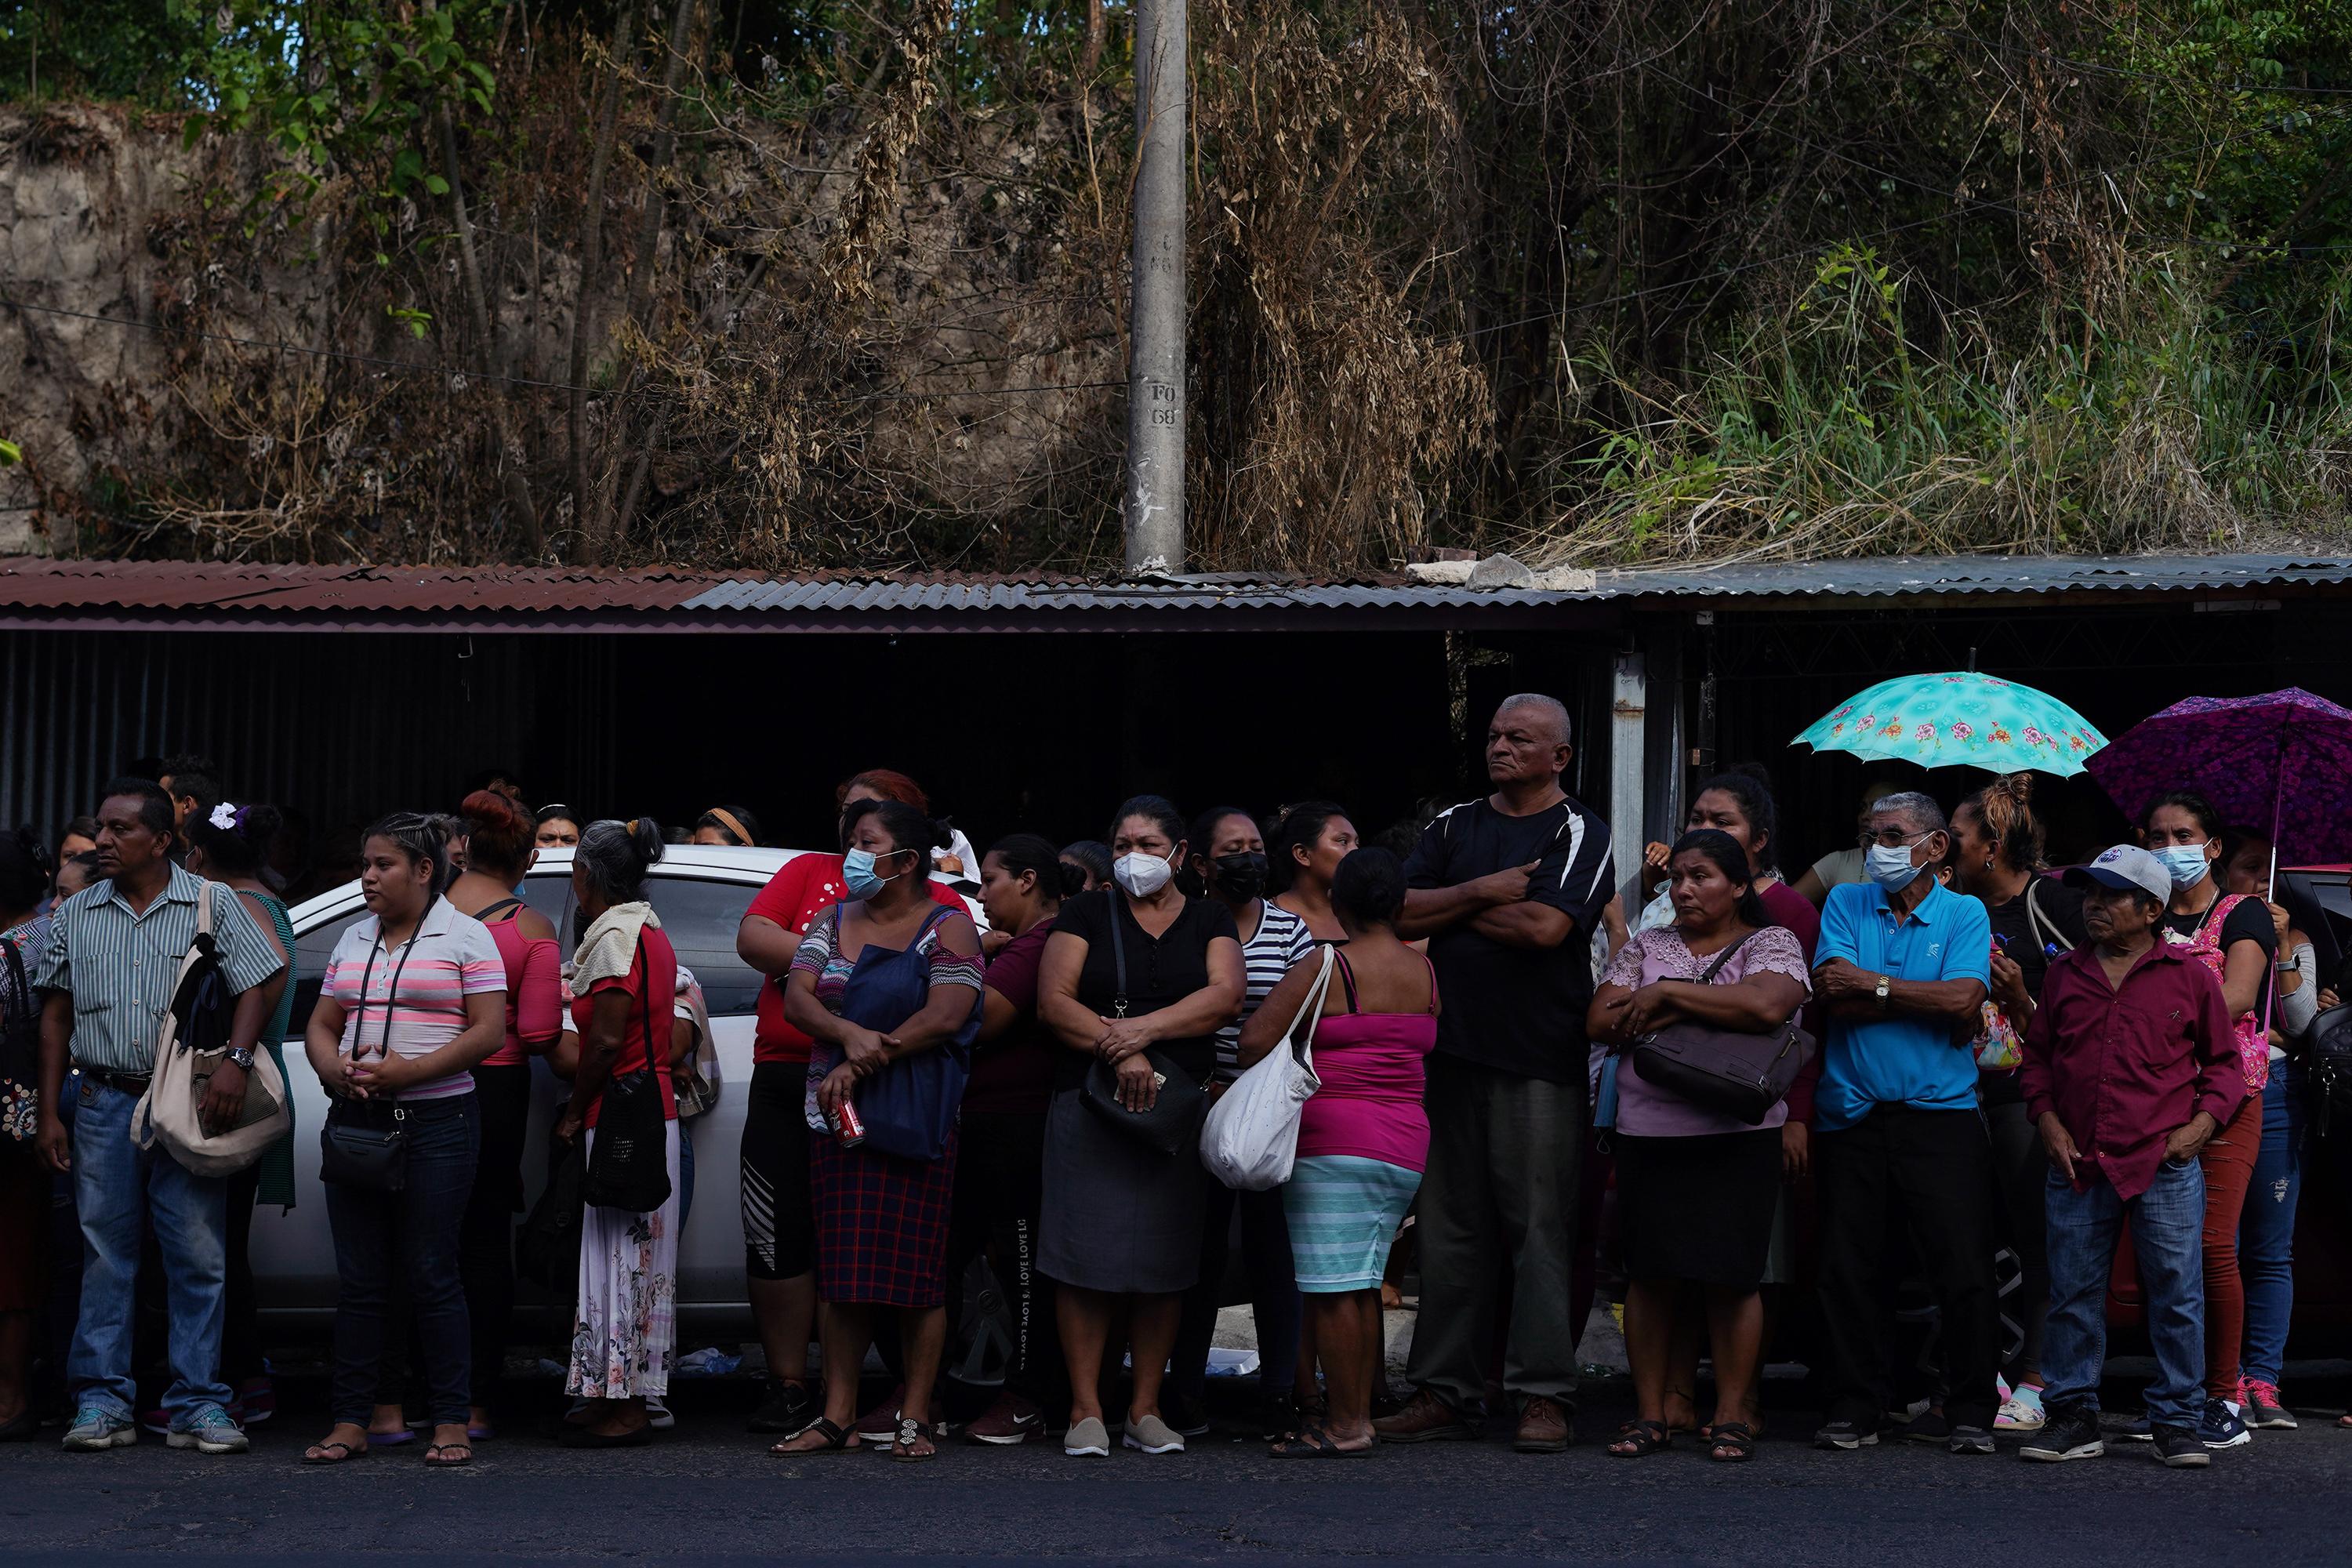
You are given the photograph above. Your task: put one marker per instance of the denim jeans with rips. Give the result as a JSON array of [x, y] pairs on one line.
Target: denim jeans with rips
[[2167, 1225], [119, 1189]]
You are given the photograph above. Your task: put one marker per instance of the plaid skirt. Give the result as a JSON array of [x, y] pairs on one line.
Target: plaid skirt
[[881, 1224]]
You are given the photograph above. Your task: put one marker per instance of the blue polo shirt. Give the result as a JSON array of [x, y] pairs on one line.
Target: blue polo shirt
[[1899, 1060]]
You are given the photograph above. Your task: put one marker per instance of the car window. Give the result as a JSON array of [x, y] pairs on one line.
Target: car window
[[701, 915], [312, 951]]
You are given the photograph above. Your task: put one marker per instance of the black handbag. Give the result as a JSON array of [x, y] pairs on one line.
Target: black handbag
[[364, 1143], [365, 1146], [628, 1163], [547, 1247], [1174, 1119], [2327, 1070], [1737, 1074]]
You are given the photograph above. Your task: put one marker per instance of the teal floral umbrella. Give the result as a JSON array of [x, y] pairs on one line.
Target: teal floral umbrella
[[1962, 719]]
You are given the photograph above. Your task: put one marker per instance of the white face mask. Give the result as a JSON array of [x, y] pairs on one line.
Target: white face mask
[[1141, 875], [1889, 866]]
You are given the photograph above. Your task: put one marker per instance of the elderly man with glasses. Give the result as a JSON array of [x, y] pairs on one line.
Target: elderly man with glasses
[[1903, 965]]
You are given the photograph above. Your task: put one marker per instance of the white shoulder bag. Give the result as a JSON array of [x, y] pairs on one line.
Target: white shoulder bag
[[192, 1041], [1251, 1138]]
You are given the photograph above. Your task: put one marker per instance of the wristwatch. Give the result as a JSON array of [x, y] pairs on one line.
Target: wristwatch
[[242, 1055], [1884, 986]]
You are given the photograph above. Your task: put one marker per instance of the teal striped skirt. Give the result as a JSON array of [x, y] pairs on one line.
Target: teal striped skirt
[[1343, 1211]]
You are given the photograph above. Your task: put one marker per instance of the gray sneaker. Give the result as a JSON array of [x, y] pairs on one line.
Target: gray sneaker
[[208, 1430], [1088, 1440], [96, 1428], [1153, 1435]]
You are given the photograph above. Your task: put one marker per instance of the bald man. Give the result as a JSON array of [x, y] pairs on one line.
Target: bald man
[[1508, 889]]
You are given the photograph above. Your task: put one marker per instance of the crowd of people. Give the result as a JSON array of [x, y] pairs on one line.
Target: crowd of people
[[1987, 1070]]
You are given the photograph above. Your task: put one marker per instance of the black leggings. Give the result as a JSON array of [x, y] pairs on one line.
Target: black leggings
[[486, 1239], [778, 1225]]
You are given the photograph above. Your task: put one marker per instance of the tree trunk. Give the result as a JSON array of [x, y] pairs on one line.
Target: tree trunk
[[609, 523], [591, 259], [513, 466]]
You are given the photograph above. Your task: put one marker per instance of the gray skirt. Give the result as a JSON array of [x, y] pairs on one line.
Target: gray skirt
[[1119, 1217]]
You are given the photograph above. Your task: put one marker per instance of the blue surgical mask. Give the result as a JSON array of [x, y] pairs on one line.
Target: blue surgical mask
[[2187, 863], [1889, 866], [857, 874]]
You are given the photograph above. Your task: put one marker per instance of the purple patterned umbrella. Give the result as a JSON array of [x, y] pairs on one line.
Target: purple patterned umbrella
[[2283, 760]]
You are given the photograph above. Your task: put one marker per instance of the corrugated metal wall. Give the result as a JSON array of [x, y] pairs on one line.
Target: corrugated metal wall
[[343, 725]]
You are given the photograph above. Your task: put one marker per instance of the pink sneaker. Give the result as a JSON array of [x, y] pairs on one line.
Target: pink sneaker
[[2263, 1405]]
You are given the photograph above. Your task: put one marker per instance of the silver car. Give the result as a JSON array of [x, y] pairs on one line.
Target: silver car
[[700, 892]]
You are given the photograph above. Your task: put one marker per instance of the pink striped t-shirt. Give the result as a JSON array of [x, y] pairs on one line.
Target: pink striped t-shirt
[[452, 957]]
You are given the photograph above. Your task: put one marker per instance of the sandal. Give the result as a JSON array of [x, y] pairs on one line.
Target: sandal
[[1315, 1443], [335, 1453], [837, 1439], [910, 1432], [1640, 1439], [464, 1452], [1735, 1443]]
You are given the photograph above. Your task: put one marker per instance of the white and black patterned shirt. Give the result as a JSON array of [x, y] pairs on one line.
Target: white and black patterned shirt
[[1281, 941]]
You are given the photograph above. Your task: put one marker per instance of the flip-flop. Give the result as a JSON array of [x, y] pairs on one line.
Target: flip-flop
[[335, 1453], [463, 1449], [838, 1440], [1315, 1443], [390, 1440], [1640, 1439], [481, 1434], [1733, 1443]]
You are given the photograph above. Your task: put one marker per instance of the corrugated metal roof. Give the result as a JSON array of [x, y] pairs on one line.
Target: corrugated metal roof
[[1889, 576], [33, 583], [164, 594]]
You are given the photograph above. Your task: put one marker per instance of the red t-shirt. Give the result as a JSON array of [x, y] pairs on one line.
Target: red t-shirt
[[652, 986], [1016, 1072], [804, 886]]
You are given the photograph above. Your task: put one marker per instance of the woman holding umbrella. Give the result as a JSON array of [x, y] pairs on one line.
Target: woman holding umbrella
[[2232, 935]]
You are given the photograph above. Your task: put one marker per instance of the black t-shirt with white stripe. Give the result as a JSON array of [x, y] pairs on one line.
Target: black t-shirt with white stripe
[[1515, 1008]]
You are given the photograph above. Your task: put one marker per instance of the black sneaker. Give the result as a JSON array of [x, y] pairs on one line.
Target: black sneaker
[[1186, 1416], [1930, 1425], [2181, 1449], [787, 1409], [1970, 1440], [1846, 1435], [2068, 1432]]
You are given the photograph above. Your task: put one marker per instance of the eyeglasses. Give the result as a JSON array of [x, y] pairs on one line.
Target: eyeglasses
[[1892, 838]]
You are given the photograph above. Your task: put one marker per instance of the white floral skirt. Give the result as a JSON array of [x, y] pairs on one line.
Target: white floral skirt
[[627, 1321]]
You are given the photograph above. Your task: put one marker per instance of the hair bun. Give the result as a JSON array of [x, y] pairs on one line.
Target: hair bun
[[1754, 770]]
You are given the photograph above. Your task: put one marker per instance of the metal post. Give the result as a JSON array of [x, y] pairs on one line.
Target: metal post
[[1153, 510], [1627, 717]]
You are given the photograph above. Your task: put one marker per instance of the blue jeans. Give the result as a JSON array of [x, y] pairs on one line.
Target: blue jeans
[[2267, 1225], [415, 1230], [2168, 1222], [119, 1189]]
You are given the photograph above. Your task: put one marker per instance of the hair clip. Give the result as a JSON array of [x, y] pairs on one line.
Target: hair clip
[[225, 817]]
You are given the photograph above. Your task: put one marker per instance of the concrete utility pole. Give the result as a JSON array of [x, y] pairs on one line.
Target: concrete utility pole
[[1154, 510]]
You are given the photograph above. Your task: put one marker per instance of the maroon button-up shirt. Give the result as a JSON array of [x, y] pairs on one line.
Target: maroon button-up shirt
[[2123, 1066]]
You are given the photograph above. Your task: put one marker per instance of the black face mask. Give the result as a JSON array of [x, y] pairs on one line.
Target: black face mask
[[1240, 876]]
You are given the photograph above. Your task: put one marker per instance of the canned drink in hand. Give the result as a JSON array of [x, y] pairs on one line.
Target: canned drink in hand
[[847, 1130]]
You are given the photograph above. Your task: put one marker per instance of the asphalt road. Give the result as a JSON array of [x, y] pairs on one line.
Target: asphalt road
[[710, 1492]]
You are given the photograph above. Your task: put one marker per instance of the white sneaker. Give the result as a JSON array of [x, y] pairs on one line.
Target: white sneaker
[[658, 1413], [2021, 1411]]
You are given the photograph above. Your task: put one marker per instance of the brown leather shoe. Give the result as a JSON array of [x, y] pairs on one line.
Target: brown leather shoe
[[1544, 1427], [1425, 1418]]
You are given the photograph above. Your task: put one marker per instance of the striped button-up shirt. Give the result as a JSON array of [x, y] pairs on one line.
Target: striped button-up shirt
[[120, 966]]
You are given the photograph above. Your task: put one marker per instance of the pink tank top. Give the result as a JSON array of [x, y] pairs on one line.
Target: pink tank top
[[1371, 1065]]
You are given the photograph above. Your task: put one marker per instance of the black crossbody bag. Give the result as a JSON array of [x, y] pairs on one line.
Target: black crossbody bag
[[1737, 1074], [628, 1164], [364, 1143], [1174, 1119]]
